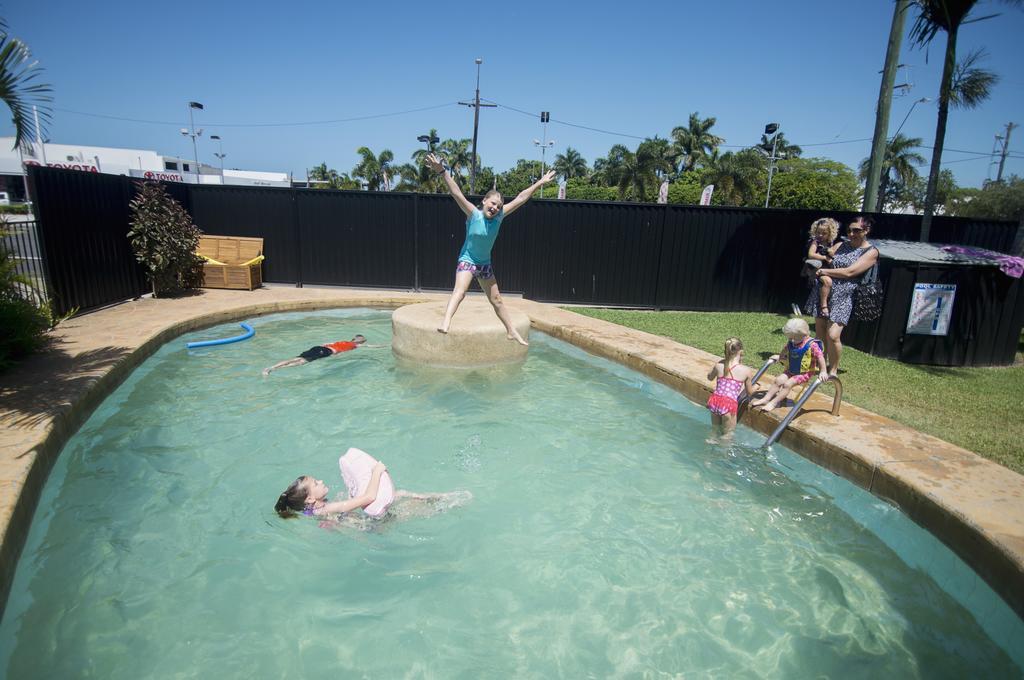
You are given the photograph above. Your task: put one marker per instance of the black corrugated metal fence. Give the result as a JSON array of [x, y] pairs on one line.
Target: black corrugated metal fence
[[628, 254]]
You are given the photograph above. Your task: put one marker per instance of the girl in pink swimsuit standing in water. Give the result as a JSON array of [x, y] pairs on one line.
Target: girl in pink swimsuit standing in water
[[731, 379]]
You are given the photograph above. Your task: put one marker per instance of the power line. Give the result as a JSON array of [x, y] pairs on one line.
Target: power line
[[335, 121], [257, 125]]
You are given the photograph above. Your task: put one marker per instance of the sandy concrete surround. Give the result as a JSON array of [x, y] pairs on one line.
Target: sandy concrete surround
[[973, 505], [476, 338]]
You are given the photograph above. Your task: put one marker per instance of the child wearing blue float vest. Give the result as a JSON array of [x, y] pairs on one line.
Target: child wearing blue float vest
[[482, 225], [802, 356]]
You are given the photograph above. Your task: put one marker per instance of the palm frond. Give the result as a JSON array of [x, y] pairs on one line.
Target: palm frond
[[19, 89], [971, 85]]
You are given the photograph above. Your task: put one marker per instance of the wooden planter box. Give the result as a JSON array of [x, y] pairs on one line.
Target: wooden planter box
[[233, 251]]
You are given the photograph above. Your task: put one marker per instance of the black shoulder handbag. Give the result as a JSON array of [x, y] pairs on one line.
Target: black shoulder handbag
[[868, 296]]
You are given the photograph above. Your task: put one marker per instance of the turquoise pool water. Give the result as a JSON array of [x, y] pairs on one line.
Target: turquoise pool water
[[605, 537]]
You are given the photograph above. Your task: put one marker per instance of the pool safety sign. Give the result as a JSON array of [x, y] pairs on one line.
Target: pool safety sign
[[931, 308]]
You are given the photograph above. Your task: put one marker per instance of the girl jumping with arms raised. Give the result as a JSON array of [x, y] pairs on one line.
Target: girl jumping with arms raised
[[482, 225]]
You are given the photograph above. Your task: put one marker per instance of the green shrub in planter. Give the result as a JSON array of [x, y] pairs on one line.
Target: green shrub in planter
[[164, 240]]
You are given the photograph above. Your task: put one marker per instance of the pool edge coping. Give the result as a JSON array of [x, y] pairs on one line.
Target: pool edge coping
[[993, 550]]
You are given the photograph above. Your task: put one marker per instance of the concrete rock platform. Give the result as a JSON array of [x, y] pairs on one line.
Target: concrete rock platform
[[476, 337]]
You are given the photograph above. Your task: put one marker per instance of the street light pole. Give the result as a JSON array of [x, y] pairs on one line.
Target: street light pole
[[544, 117], [922, 100], [221, 155], [194, 134], [429, 140], [769, 129]]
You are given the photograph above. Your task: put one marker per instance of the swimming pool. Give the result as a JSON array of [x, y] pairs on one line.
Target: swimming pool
[[605, 537]]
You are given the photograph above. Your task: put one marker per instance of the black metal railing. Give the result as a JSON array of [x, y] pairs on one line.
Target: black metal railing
[[20, 243]]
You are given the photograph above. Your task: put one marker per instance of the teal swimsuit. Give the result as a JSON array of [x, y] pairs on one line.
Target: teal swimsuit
[[480, 236]]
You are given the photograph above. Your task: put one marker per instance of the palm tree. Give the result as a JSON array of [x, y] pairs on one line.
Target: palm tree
[[17, 88], [638, 172], [376, 171], [458, 155], [419, 155], [694, 143], [570, 164], [608, 170], [663, 156], [783, 149], [942, 16], [898, 169], [971, 85], [738, 177], [329, 178]]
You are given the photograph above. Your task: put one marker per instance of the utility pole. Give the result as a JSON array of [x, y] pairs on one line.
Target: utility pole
[[476, 123], [878, 142], [1006, 150]]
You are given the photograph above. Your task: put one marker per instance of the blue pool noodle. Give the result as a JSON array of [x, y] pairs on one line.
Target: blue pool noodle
[[249, 332]]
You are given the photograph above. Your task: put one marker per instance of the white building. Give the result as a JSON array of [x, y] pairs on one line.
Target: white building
[[141, 163]]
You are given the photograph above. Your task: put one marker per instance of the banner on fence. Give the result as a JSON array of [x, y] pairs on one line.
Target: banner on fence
[[705, 196], [663, 192]]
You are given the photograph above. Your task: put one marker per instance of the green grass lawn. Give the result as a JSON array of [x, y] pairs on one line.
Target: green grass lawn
[[976, 408]]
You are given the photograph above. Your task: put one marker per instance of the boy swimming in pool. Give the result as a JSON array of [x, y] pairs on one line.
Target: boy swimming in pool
[[319, 352]]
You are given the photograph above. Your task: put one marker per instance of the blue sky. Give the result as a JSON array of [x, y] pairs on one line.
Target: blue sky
[[627, 67]]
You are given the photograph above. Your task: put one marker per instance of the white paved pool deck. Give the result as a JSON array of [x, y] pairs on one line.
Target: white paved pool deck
[[975, 506]]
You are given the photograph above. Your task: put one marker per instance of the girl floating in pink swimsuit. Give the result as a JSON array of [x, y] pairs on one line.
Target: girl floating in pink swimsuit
[[732, 378]]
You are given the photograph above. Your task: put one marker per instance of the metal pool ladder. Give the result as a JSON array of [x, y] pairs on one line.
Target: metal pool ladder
[[818, 382]]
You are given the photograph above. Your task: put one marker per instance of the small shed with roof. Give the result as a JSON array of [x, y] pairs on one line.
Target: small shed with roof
[[944, 306]]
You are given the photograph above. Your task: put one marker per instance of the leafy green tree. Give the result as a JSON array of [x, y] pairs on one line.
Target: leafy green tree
[[934, 17], [580, 189], [815, 184], [899, 172], [687, 188], [459, 158], [376, 171], [322, 177], [419, 177], [485, 179], [512, 181], [694, 143], [608, 169], [410, 177], [164, 240], [946, 192], [1002, 200], [570, 164], [639, 174], [783, 149], [740, 178], [419, 156], [18, 88]]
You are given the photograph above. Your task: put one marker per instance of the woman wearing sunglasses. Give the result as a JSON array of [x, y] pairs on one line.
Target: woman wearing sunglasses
[[849, 263]]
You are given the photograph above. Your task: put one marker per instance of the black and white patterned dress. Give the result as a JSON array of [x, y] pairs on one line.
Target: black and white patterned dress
[[840, 300]]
